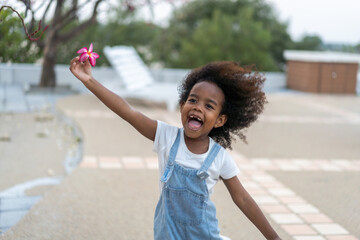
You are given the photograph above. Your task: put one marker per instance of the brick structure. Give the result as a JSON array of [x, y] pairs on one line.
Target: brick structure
[[322, 72]]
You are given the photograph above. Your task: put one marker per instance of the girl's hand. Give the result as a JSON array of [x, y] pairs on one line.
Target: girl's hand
[[81, 70]]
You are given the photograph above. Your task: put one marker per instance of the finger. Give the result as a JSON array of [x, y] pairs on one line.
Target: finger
[[72, 61], [74, 64], [75, 59], [72, 67], [87, 62]]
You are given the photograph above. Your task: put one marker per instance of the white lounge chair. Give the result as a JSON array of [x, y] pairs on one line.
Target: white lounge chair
[[136, 80]]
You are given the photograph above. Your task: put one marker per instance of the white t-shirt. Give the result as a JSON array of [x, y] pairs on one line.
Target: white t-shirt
[[223, 166]]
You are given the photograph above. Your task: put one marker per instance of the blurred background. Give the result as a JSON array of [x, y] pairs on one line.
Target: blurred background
[[302, 159], [178, 33]]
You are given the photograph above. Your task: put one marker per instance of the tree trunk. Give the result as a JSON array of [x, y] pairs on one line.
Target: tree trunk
[[48, 76], [53, 38]]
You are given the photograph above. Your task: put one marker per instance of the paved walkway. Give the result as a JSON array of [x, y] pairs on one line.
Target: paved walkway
[[48, 152], [302, 166]]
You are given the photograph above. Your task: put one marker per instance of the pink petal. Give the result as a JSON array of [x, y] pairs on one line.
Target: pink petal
[[92, 61], [83, 57], [91, 47], [83, 50], [95, 55]]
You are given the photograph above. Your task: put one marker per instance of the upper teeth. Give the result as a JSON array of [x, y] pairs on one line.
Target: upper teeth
[[196, 118]]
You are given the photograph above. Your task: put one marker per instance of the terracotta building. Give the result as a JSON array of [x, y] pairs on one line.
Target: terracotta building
[[322, 72]]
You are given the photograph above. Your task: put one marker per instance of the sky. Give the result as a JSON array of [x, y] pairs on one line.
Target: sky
[[335, 21]]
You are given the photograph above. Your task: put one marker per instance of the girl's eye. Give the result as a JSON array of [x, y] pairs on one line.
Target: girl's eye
[[191, 100], [209, 106]]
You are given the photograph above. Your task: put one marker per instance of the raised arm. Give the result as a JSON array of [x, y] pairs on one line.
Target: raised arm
[[145, 125], [249, 207]]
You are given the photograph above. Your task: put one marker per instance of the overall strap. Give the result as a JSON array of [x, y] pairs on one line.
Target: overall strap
[[208, 161], [172, 155]]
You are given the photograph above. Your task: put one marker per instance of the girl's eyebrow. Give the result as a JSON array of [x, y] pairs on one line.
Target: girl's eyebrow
[[208, 99], [213, 102]]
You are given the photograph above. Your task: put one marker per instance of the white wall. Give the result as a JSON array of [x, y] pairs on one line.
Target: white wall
[[26, 74]]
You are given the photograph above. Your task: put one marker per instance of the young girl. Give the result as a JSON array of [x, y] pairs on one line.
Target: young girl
[[216, 100]]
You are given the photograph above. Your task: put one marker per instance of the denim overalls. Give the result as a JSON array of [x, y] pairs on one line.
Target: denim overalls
[[184, 211]]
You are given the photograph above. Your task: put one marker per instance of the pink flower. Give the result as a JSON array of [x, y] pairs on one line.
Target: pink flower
[[88, 53]]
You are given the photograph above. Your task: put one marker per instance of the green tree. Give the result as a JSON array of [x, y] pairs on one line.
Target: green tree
[[135, 33], [309, 42], [357, 48], [13, 46], [259, 17], [224, 37], [64, 24]]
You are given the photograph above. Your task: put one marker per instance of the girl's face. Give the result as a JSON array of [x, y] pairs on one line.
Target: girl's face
[[201, 111]]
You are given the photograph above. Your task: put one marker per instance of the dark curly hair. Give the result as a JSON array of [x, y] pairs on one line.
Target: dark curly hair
[[244, 98]]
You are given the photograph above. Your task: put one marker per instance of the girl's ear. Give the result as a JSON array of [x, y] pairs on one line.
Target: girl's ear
[[220, 121]]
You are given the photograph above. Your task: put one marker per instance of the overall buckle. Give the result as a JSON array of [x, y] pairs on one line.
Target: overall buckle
[[202, 174]]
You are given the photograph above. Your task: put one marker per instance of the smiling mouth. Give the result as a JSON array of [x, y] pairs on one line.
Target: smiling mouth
[[194, 123]]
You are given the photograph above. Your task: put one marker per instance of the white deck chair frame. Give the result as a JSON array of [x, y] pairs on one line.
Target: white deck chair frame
[[135, 78]]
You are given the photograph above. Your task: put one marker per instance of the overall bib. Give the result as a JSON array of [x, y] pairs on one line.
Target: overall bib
[[184, 211]]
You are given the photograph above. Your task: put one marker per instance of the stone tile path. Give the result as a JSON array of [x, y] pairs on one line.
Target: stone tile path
[[295, 215]]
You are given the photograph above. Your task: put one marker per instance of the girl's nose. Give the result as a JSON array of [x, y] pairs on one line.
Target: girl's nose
[[198, 107]]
